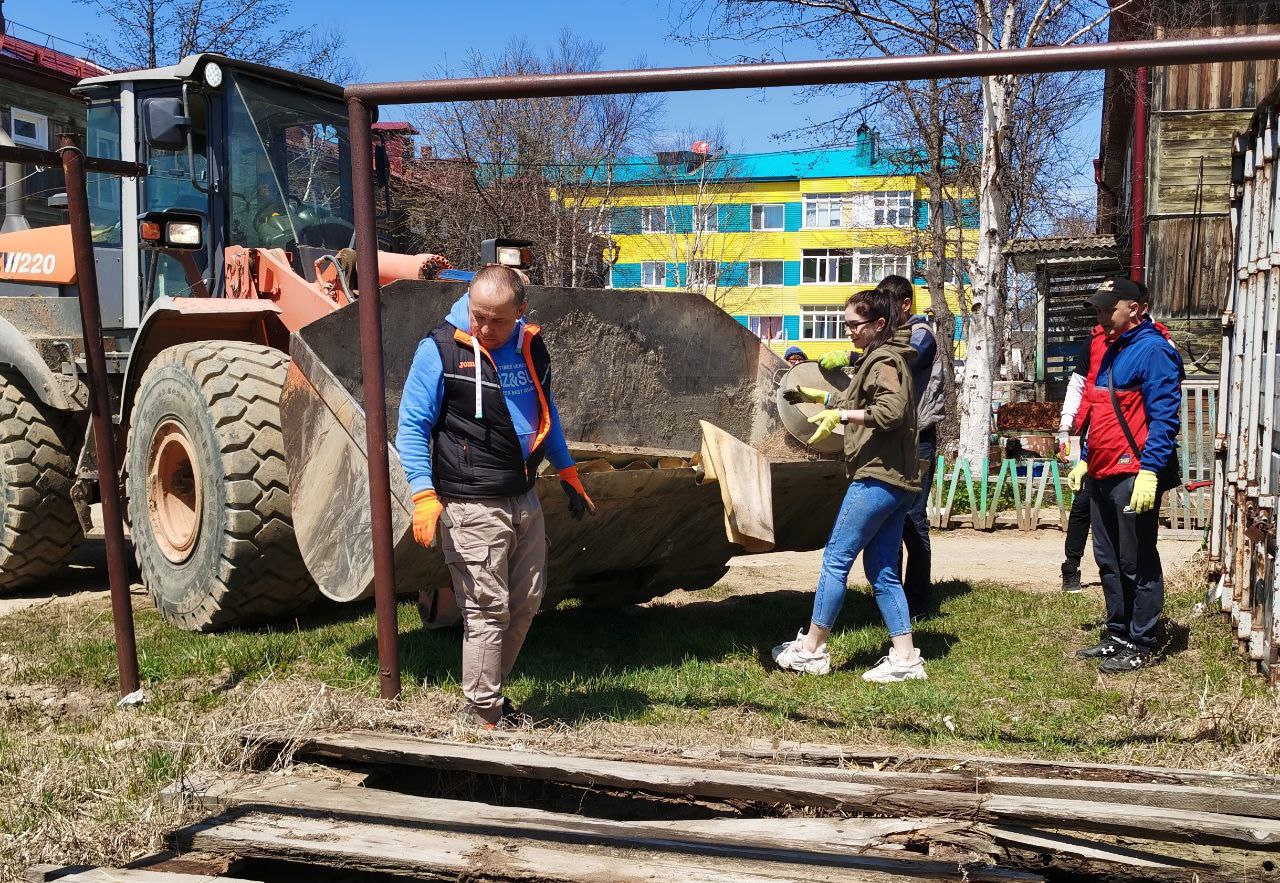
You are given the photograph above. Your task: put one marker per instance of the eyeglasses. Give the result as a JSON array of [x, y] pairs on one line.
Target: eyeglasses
[[849, 326]]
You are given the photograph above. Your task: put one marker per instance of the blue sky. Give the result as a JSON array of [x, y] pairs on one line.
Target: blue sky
[[405, 40]]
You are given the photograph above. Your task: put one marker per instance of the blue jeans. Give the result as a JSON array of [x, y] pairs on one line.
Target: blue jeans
[[870, 522]]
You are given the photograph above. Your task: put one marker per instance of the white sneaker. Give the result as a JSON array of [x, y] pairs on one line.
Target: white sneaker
[[894, 668], [792, 657]]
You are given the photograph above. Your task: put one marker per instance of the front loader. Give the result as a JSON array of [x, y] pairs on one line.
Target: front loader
[[229, 323]]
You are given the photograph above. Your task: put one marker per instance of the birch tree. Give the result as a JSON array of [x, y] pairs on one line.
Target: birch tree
[[848, 28]]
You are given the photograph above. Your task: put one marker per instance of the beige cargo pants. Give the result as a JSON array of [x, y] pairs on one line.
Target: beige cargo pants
[[497, 555]]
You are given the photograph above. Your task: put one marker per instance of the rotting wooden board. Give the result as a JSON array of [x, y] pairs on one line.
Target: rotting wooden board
[[1154, 824], [1052, 842], [416, 851], [868, 843], [46, 873], [782, 751], [1229, 801]]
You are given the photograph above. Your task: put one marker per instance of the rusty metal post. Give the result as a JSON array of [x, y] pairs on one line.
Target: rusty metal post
[[1138, 185], [375, 398], [73, 165]]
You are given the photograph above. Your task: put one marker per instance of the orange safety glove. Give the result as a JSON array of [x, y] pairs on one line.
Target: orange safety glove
[[426, 512], [579, 500]]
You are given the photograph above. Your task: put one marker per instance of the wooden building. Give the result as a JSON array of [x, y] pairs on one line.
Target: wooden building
[[1194, 111]]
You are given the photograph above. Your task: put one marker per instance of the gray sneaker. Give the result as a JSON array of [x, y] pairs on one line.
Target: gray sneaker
[[792, 657]]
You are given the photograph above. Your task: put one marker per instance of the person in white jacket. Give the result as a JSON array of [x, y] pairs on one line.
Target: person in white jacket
[[1078, 519]]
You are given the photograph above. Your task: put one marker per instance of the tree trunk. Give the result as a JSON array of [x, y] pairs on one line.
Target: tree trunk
[[981, 357]]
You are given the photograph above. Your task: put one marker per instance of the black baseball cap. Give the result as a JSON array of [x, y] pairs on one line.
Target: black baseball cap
[[1116, 289]]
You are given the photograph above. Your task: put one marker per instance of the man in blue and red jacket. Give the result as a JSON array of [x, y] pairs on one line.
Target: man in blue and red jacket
[[1140, 376], [476, 420]]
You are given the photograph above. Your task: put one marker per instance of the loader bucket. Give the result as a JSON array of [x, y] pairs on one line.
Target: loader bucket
[[633, 373]]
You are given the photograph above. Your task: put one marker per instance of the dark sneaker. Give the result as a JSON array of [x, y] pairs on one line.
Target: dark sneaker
[[1108, 646], [1071, 582], [513, 718], [1128, 659]]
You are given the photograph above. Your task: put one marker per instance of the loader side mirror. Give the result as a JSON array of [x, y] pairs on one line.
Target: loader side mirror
[[165, 123]]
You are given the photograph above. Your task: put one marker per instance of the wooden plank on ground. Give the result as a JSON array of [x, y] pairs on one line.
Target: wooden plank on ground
[[1148, 823], [1065, 844], [872, 844], [81, 874], [765, 749], [412, 850]]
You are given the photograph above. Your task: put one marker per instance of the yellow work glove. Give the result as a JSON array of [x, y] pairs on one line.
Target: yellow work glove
[[426, 512], [826, 421], [831, 361], [805, 394], [1143, 498], [1075, 478]]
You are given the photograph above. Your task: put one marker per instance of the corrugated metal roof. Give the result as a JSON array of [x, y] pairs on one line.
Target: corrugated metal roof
[[70, 66], [1028, 253], [787, 165]]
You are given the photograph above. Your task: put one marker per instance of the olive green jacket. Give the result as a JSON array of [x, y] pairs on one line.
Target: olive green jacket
[[885, 449]]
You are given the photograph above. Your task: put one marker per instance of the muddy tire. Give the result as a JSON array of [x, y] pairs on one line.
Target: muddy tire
[[208, 489], [38, 526]]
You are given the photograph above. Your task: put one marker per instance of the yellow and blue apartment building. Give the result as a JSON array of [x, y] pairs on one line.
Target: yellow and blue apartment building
[[779, 240]]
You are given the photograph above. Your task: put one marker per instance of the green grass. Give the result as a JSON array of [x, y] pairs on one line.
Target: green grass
[[1001, 671]]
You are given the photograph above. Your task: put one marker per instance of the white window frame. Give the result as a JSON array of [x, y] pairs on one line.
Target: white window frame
[[659, 269], [648, 214], [822, 206], [822, 322], [893, 208], [755, 273], [755, 323], [706, 219], [781, 207], [702, 274], [828, 265], [872, 266], [40, 121]]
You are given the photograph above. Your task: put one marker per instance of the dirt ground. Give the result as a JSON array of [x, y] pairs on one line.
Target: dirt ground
[[1026, 560]]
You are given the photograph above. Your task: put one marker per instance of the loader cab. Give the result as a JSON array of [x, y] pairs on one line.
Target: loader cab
[[260, 155]]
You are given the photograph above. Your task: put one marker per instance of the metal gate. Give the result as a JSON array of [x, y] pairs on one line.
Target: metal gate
[[1242, 542]]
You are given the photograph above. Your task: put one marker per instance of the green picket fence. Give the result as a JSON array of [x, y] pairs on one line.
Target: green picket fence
[[989, 495]]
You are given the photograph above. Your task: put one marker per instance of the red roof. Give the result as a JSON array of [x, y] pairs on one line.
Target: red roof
[[395, 127], [49, 59]]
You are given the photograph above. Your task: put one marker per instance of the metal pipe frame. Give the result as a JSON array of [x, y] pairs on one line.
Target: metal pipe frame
[[74, 165], [364, 98]]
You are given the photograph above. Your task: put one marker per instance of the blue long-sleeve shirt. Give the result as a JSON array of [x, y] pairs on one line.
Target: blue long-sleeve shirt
[[424, 392]]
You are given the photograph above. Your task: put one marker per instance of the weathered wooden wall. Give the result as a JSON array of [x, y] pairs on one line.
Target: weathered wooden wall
[[1179, 143], [1170, 264], [1218, 86]]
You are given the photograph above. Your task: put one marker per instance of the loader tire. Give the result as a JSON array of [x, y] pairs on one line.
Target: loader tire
[[208, 489], [39, 529]]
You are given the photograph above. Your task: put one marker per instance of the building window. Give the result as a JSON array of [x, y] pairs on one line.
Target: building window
[[823, 209], [873, 267], [28, 129], [653, 274], [764, 273], [827, 266], [766, 327], [824, 322], [706, 218], [702, 273], [767, 217], [892, 208], [654, 219]]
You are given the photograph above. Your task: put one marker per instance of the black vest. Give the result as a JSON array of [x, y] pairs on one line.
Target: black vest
[[480, 458]]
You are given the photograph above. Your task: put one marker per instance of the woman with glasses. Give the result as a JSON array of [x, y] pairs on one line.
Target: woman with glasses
[[878, 411]]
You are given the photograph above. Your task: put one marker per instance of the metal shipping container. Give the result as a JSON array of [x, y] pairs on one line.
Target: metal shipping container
[[1246, 475]]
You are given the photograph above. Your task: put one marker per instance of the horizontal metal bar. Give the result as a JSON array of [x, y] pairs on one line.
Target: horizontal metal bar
[[1038, 59], [51, 159]]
